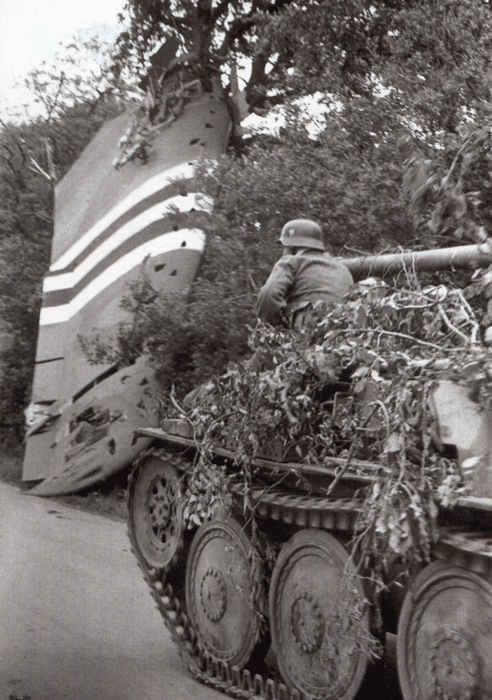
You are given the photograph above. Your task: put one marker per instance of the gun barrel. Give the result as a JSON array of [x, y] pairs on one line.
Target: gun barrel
[[468, 257]]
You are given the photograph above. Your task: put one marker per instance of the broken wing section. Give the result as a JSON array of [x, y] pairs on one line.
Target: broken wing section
[[108, 223]]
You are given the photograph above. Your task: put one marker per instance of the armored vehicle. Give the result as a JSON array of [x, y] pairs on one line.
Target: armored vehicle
[[271, 592]]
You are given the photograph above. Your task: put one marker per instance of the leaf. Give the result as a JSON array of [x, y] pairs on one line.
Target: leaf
[[361, 371], [360, 316], [394, 443], [376, 376]]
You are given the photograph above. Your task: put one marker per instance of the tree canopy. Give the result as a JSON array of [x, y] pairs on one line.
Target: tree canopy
[[406, 87], [432, 55]]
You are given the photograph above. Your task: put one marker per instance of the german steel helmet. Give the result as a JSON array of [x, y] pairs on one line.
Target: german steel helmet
[[302, 233]]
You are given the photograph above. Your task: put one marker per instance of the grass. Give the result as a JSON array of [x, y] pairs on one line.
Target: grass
[[109, 499], [11, 461]]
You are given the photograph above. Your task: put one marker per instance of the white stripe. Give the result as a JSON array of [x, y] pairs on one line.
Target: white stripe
[[148, 188], [132, 227], [195, 240]]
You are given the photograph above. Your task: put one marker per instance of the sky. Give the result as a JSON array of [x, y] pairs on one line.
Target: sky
[[32, 30]]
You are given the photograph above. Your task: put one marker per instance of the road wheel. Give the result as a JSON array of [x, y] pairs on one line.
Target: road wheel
[[222, 592], [155, 519], [315, 640], [444, 643]]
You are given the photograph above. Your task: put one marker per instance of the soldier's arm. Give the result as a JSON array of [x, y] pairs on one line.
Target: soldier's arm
[[273, 296]]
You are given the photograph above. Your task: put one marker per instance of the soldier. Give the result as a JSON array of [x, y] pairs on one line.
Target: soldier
[[306, 273]]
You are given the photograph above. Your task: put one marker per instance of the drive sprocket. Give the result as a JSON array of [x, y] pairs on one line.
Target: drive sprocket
[[155, 504]]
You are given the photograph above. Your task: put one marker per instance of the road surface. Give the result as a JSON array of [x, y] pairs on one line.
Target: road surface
[[76, 619]]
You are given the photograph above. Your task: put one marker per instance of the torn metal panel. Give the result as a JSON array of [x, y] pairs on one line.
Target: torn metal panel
[[91, 439]]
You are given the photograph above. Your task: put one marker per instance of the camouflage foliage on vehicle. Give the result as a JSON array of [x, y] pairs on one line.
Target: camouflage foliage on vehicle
[[353, 388]]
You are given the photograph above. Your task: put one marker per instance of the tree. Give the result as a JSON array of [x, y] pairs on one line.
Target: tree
[[416, 69], [213, 38], [290, 48]]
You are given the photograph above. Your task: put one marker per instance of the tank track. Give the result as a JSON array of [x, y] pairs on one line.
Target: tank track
[[467, 550], [472, 551]]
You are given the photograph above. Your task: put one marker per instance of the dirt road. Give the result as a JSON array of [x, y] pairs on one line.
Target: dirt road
[[76, 620]]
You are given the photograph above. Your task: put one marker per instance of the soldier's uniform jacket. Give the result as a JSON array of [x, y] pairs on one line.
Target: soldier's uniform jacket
[[297, 280]]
